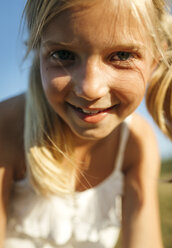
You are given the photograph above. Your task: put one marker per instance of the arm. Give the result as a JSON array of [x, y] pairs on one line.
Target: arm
[[141, 227], [9, 124], [5, 186], [6, 173]]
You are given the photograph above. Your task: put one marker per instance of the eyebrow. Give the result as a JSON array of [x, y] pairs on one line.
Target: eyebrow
[[56, 43], [131, 46]]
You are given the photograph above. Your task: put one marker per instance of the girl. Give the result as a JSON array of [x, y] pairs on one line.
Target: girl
[[83, 148]]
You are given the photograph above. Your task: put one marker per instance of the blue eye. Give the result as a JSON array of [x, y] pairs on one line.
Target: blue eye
[[123, 55], [63, 55], [122, 59]]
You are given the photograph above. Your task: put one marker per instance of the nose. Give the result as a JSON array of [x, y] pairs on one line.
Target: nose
[[90, 81]]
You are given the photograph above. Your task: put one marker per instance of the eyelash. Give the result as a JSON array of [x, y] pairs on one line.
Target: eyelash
[[115, 58], [122, 53], [122, 63], [69, 57]]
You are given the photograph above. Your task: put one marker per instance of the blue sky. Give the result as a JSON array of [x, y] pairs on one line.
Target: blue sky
[[14, 73]]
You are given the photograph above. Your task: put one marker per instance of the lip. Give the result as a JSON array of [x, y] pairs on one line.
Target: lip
[[92, 115]]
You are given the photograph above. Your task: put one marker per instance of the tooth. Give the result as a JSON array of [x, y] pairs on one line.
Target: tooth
[[90, 112]]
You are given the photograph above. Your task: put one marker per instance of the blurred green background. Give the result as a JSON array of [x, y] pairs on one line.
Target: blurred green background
[[165, 201]]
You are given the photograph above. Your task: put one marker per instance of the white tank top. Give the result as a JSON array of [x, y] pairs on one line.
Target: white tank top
[[89, 219]]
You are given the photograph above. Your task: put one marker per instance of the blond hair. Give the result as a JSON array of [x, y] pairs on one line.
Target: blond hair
[[159, 92], [47, 137]]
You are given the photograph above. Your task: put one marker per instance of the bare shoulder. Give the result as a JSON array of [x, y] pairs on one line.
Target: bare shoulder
[[11, 107], [143, 133], [143, 152], [11, 131]]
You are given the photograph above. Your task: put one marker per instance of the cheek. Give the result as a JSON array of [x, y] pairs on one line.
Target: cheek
[[131, 87], [56, 85]]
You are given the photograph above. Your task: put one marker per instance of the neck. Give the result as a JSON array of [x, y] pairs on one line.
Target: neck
[[95, 161], [87, 151]]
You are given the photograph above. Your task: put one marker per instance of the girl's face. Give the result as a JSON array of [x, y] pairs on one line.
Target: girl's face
[[93, 74]]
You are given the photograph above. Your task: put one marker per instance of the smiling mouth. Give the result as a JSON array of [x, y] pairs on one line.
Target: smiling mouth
[[92, 111]]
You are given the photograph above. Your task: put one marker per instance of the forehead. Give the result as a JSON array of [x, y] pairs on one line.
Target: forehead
[[112, 22]]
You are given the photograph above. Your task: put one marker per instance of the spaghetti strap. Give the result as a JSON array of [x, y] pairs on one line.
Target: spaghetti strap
[[122, 144]]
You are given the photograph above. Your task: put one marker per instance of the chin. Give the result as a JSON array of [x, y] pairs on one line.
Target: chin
[[93, 134]]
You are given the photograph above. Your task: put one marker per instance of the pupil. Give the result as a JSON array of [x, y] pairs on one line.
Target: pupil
[[65, 55], [123, 55]]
